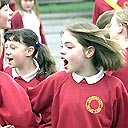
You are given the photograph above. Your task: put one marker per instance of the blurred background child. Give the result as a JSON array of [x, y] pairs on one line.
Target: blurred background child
[[27, 16], [101, 6], [119, 32], [5, 22]]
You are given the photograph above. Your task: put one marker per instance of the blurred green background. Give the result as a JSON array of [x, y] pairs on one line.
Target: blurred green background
[[52, 7]]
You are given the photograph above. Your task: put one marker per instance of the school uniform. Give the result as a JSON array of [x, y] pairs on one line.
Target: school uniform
[[72, 101], [101, 6], [26, 81], [28, 21], [122, 74], [15, 107]]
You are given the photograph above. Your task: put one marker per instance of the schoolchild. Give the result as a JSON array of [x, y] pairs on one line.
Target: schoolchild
[[83, 96], [27, 16], [5, 22], [29, 61], [15, 107], [100, 6], [119, 31]]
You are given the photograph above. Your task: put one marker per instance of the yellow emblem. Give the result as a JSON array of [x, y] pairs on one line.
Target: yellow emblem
[[126, 4], [90, 100]]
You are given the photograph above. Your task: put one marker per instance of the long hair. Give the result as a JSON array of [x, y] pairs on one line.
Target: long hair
[[35, 8], [108, 53], [41, 54]]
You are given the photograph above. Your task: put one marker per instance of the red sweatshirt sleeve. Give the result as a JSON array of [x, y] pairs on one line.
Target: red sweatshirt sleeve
[[15, 107]]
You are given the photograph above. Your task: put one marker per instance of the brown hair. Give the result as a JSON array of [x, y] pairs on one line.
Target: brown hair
[[107, 52], [41, 54]]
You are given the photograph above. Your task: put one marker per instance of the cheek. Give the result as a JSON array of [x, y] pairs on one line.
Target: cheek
[[77, 57], [3, 21]]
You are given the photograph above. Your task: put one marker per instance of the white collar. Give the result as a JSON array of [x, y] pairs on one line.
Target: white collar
[[126, 44], [90, 80], [28, 76]]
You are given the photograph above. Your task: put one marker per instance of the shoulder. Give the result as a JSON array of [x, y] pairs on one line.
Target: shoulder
[[114, 83], [8, 70], [56, 79], [3, 75], [60, 75]]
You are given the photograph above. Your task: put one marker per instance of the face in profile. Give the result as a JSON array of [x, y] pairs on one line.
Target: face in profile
[[5, 17]]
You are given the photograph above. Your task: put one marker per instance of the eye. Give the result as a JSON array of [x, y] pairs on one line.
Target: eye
[[69, 47], [13, 48]]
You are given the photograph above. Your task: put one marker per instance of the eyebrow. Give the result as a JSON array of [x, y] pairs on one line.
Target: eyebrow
[[66, 42]]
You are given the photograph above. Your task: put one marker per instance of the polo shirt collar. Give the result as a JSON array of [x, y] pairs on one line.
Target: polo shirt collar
[[29, 76], [90, 80]]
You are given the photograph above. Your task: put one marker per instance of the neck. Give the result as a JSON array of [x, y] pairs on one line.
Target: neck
[[24, 70]]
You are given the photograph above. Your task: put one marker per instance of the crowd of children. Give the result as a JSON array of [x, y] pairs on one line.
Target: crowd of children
[[92, 89]]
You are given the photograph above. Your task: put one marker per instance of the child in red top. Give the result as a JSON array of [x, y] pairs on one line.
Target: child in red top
[[15, 107], [5, 22], [27, 16], [101, 6], [29, 61], [119, 31], [83, 96]]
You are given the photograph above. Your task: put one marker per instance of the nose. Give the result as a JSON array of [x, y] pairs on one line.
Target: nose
[[62, 51], [10, 12], [7, 51]]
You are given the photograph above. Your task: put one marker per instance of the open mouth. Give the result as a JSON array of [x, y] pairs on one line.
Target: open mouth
[[9, 59], [65, 62]]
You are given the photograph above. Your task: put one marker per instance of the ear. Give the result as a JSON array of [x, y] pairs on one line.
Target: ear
[[30, 51], [120, 28], [90, 52]]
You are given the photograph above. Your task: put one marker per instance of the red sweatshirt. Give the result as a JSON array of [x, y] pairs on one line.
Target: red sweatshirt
[[32, 83], [68, 104], [15, 107], [122, 74], [2, 59]]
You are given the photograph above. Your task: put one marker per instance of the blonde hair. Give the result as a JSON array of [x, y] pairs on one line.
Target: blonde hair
[[107, 52], [35, 8], [104, 19], [122, 17]]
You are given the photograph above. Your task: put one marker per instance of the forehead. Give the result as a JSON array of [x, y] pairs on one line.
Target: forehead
[[67, 37], [113, 20]]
